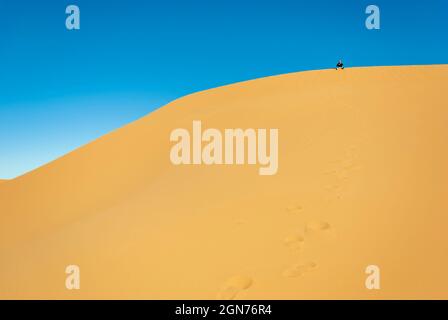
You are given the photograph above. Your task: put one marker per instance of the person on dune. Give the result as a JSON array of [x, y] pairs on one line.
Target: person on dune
[[340, 65]]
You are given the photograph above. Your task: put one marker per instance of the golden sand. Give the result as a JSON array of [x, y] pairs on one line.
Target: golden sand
[[362, 180]]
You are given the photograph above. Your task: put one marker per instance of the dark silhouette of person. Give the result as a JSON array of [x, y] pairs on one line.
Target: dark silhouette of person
[[340, 65]]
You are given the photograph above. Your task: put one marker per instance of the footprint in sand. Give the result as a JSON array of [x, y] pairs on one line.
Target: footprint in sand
[[299, 269], [295, 242], [332, 198], [240, 222], [317, 226], [233, 286], [348, 163], [294, 209], [332, 187]]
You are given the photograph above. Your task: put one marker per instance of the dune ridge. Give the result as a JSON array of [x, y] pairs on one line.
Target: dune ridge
[[362, 180]]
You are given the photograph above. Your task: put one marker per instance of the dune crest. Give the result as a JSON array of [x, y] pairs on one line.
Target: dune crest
[[361, 181]]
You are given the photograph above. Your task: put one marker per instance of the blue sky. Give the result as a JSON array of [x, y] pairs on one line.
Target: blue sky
[[60, 89]]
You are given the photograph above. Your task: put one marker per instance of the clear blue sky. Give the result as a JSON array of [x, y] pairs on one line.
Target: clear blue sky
[[60, 89]]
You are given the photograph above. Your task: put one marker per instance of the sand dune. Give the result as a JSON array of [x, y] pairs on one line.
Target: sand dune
[[362, 180]]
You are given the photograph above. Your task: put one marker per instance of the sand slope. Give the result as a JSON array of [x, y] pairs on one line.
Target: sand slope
[[362, 180]]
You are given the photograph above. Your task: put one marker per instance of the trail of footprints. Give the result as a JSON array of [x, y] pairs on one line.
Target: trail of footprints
[[237, 284], [296, 242], [341, 172]]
